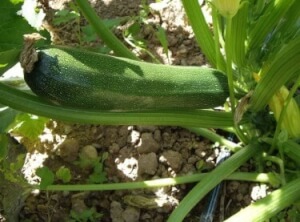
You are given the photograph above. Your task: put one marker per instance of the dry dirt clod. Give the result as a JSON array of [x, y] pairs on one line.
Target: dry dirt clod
[[116, 212], [172, 159], [68, 150], [147, 164], [147, 144], [131, 214]]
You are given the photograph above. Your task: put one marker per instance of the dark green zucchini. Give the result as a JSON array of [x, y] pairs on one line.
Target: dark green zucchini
[[84, 79]]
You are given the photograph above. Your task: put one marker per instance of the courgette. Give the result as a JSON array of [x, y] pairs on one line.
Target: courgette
[[83, 79]]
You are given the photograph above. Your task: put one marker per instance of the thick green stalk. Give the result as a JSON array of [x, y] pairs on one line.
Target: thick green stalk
[[292, 150], [229, 62], [280, 164], [242, 176], [103, 32], [202, 33], [269, 206], [265, 24], [212, 179], [228, 51], [275, 73], [238, 35], [216, 28], [209, 134], [29, 103]]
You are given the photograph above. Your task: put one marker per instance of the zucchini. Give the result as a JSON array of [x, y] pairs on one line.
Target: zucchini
[[83, 79]]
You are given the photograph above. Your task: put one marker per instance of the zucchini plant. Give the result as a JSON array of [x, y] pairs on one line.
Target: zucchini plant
[[254, 51]]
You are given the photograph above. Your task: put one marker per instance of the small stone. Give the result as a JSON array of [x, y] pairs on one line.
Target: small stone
[[147, 164], [68, 150], [147, 144], [78, 204], [114, 148], [89, 152], [172, 158], [116, 211], [157, 135], [131, 214], [232, 186], [146, 128], [239, 197]]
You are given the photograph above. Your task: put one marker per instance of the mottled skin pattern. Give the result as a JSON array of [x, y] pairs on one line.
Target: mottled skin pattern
[[90, 80]]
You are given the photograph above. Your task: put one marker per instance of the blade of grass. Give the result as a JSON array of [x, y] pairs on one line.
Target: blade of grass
[[269, 206], [212, 179], [103, 32], [203, 35], [32, 104]]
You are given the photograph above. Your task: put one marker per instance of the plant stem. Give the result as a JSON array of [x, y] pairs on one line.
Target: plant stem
[[202, 32], [212, 179], [25, 102], [229, 63], [239, 132], [242, 176], [103, 32], [216, 39], [279, 162], [269, 206], [215, 138]]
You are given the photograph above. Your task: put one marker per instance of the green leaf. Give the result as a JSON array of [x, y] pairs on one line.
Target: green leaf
[[7, 116], [29, 126], [12, 28], [64, 174], [16, 1], [64, 16], [3, 146], [162, 37], [8, 59], [46, 175], [89, 33]]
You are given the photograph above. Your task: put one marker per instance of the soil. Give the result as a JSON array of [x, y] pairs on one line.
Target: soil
[[129, 153]]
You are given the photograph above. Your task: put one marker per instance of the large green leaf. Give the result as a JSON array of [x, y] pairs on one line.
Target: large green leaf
[[12, 28], [29, 126], [7, 116]]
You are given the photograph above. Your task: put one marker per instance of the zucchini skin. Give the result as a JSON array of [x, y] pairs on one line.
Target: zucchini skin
[[83, 79]]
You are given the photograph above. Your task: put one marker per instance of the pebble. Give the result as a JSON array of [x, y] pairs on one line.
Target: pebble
[[172, 158], [89, 152], [68, 150], [147, 164], [131, 214], [116, 212], [147, 144]]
